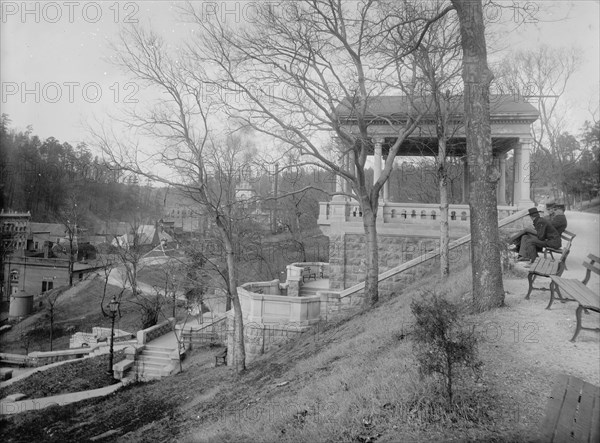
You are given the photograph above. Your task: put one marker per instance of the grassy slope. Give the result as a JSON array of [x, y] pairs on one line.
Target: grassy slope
[[354, 381], [79, 308]]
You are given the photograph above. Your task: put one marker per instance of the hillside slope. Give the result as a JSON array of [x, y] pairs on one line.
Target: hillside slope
[[353, 381]]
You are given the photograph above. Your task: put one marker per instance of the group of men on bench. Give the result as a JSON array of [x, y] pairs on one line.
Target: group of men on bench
[[546, 232]]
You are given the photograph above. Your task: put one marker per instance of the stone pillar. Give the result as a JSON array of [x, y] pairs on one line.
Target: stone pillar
[[516, 175], [502, 182], [524, 174], [386, 189], [465, 183], [339, 187], [377, 159], [347, 165]]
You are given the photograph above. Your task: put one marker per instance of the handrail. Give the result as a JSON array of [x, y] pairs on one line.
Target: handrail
[[195, 331], [428, 256]]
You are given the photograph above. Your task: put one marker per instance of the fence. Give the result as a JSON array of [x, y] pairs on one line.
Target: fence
[[212, 334]]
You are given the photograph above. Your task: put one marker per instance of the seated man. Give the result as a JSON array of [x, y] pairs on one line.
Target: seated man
[[515, 240], [546, 236], [558, 220]]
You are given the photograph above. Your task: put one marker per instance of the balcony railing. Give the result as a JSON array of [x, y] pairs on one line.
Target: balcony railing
[[401, 213]]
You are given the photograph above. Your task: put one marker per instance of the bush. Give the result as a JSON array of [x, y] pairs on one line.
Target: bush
[[442, 342]]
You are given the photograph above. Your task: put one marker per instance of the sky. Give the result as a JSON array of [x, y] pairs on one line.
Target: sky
[[57, 77]]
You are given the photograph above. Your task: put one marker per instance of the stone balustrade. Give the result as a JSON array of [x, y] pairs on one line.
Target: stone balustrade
[[400, 213], [149, 334], [296, 274], [267, 308]]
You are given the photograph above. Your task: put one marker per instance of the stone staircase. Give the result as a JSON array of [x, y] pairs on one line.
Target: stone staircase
[[154, 362], [305, 292]]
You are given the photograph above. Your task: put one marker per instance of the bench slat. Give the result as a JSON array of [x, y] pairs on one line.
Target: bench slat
[[572, 412], [595, 428], [554, 406], [594, 268], [583, 424], [577, 290], [566, 420]]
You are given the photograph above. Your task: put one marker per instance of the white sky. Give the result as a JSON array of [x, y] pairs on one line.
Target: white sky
[[54, 56]]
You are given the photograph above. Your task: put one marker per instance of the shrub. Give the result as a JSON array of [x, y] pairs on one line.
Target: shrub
[[442, 342]]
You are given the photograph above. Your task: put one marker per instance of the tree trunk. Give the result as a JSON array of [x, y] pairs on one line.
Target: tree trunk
[[488, 290], [239, 351], [71, 260], [372, 253], [444, 228], [443, 180], [51, 326]]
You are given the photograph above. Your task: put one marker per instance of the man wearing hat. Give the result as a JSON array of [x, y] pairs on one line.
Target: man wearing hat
[[550, 210], [558, 219], [515, 240], [546, 236]]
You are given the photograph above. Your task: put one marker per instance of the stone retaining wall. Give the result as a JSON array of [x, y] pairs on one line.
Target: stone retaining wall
[[35, 359], [149, 334], [87, 339], [347, 258]]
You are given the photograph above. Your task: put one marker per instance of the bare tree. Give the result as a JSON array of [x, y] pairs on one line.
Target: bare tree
[[52, 305], [71, 217], [316, 71], [436, 66], [191, 156], [541, 76]]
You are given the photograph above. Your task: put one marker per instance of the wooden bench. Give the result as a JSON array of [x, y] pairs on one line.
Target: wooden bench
[[547, 267], [307, 272], [574, 290], [221, 357], [572, 412], [568, 237]]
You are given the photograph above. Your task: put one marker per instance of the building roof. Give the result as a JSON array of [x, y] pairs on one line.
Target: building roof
[[398, 107], [54, 229]]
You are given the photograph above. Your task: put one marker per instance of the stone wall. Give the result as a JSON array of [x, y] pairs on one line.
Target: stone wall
[[98, 334], [260, 338], [149, 334], [45, 358], [347, 257]]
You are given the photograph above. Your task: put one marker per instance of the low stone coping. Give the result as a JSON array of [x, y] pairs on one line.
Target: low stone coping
[[16, 407], [147, 335]]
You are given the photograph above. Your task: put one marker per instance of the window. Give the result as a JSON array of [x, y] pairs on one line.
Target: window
[[47, 285]]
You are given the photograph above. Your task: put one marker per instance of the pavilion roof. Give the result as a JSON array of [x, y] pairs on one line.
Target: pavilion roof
[[396, 107]]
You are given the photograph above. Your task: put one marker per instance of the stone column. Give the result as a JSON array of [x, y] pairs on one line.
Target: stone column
[[339, 186], [524, 174], [377, 159], [386, 188], [502, 182], [465, 183], [516, 175], [348, 165]]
